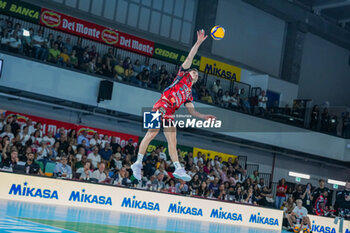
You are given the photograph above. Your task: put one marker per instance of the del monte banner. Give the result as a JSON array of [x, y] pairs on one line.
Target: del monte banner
[[92, 31], [20, 9]]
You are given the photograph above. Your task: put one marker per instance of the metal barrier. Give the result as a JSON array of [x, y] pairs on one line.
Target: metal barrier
[[243, 161], [266, 177]]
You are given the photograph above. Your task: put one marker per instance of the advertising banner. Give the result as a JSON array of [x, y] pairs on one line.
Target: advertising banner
[[92, 31], [220, 69], [173, 55], [155, 143], [212, 154], [20, 9], [50, 191], [54, 126]]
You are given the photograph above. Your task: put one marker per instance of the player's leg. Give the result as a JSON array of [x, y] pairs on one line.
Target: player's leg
[[137, 166], [306, 221], [291, 220], [170, 135]]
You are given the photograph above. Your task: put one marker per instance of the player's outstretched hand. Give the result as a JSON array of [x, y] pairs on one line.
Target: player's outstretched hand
[[207, 117], [201, 36]]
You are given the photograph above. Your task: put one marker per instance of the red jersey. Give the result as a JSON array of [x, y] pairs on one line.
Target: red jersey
[[179, 92]]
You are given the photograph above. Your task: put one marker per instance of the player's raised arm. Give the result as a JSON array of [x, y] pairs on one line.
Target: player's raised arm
[[193, 112], [200, 38]]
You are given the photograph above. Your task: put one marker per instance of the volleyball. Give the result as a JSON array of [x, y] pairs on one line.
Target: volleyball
[[217, 32], [306, 230], [296, 229]]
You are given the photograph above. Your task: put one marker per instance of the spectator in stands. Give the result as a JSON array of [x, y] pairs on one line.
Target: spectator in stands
[[216, 87], [95, 157], [92, 68], [44, 152], [5, 39], [307, 197], [106, 153], [129, 148], [154, 77], [9, 161], [39, 46], [255, 177], [137, 67], [31, 167], [128, 73], [320, 190], [80, 163], [93, 53], [298, 192], [144, 78], [85, 171], [218, 97], [342, 204], [325, 120], [245, 101], [315, 112], [110, 56], [84, 61], [62, 169], [73, 60], [24, 135], [226, 100], [281, 193], [54, 54], [249, 197], [145, 66], [262, 103], [79, 48], [49, 41], [181, 187], [15, 43], [119, 71], [194, 185], [346, 125], [99, 174], [83, 136], [63, 58], [59, 42], [322, 204], [7, 132], [95, 140]]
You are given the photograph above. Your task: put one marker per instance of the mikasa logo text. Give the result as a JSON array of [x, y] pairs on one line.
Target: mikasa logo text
[[192, 123]]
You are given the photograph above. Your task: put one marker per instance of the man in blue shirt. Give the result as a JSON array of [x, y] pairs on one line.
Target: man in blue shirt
[[106, 152], [83, 136], [63, 169]]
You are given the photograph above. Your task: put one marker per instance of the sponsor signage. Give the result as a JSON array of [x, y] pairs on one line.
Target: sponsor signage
[[92, 31], [173, 55], [212, 154], [42, 190], [220, 69], [20, 9], [54, 126]]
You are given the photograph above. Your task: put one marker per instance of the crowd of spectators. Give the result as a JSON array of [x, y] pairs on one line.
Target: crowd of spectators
[[101, 159]]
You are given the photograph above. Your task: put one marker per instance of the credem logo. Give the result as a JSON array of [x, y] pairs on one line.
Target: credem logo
[[25, 190]]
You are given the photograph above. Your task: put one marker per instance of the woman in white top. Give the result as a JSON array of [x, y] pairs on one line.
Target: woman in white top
[[24, 136], [49, 138], [36, 138], [104, 140], [95, 140], [7, 132], [15, 43]]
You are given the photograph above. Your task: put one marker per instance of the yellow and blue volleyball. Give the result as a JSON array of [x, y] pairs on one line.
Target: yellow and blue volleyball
[[296, 229], [306, 230], [217, 32]]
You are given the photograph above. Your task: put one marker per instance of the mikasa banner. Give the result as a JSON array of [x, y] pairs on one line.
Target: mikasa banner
[[71, 193]]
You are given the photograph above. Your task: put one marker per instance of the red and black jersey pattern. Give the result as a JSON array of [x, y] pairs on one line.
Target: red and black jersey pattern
[[179, 92]]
